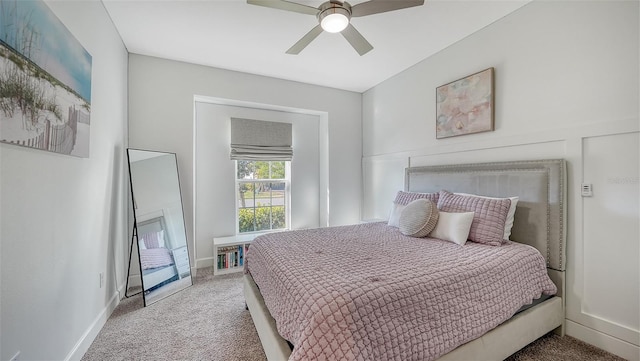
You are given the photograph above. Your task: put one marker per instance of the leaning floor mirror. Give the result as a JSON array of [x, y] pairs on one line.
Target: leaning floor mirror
[[159, 229]]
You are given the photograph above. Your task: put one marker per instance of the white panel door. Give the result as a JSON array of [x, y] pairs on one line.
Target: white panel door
[[610, 300]]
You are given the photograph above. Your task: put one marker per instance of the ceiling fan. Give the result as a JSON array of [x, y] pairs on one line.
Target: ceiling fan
[[334, 17]]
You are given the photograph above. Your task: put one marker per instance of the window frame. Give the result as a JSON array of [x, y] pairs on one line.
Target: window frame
[[287, 196]]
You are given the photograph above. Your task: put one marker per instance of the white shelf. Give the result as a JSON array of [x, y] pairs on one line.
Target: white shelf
[[223, 241], [228, 254]]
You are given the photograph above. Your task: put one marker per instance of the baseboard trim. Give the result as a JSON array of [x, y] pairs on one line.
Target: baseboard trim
[[204, 262], [91, 333], [121, 292], [608, 343]]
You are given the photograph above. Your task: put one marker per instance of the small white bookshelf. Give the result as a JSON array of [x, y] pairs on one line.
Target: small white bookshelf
[[229, 253]]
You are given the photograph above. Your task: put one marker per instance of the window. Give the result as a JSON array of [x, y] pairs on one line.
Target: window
[[262, 195]]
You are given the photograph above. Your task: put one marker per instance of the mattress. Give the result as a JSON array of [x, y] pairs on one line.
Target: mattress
[[365, 291]]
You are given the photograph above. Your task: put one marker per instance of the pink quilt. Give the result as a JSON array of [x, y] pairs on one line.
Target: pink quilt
[[155, 257], [366, 292]]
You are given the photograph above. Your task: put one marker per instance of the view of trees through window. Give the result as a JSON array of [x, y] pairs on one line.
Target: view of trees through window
[[262, 187]]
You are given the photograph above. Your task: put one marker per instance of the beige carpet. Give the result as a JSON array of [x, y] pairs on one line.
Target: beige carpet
[[208, 321]]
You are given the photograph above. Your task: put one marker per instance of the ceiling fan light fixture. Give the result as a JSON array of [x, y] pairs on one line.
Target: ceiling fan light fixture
[[334, 19]]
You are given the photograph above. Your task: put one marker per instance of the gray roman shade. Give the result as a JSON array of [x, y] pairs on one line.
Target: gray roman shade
[[260, 140]]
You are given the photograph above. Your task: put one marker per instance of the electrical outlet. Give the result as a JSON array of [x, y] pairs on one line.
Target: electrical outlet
[[101, 279], [15, 357]]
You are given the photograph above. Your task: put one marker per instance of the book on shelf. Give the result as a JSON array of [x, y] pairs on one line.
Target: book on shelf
[[231, 256]]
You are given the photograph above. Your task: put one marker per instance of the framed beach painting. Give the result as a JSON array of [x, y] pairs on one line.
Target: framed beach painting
[[45, 81], [465, 106]]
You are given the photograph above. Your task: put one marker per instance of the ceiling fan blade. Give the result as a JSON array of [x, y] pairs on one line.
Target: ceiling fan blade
[[285, 5], [382, 6], [356, 40], [306, 40]]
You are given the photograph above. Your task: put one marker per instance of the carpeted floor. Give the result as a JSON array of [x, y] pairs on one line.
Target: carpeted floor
[[208, 321]]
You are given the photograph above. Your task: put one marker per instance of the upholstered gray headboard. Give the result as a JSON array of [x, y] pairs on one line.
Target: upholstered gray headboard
[[541, 186]]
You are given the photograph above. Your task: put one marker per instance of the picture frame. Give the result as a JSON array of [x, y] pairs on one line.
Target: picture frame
[[466, 106], [46, 103]]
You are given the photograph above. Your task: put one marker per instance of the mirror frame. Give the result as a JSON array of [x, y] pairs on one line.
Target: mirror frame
[[161, 289]]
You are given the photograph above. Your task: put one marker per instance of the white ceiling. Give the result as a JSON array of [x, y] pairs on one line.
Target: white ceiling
[[234, 35]]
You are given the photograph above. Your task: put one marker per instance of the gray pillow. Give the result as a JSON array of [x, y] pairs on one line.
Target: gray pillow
[[418, 218]]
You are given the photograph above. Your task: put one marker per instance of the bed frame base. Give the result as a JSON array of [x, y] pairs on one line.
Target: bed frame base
[[513, 335], [275, 347], [496, 344]]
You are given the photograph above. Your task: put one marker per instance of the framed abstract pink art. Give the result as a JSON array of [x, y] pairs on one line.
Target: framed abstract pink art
[[465, 106]]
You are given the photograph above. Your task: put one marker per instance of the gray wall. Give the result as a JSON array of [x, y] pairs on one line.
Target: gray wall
[[161, 117], [215, 193], [566, 86], [64, 218]]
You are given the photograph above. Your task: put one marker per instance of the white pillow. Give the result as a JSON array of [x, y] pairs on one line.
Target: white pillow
[[141, 244], [394, 216], [453, 227], [508, 223]]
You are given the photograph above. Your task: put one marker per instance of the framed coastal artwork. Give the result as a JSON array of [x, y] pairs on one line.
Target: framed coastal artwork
[[45, 81], [465, 106]]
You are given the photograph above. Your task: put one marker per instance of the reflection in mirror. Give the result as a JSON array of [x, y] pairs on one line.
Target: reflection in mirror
[[159, 224]]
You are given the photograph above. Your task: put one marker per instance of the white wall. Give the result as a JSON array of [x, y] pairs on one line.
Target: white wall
[[161, 117], [215, 193], [566, 77], [63, 219]]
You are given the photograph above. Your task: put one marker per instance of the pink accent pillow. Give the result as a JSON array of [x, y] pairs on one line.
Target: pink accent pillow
[[404, 198], [489, 217], [510, 216]]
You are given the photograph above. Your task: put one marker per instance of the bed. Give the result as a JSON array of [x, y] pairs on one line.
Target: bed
[[156, 259], [538, 234]]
